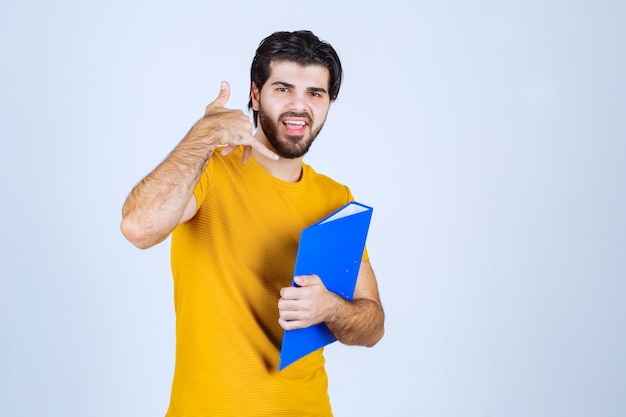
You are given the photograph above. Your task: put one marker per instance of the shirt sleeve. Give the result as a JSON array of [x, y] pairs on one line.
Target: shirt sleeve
[[366, 256], [202, 186]]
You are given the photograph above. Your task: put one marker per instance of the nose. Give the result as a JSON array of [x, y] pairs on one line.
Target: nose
[[298, 103]]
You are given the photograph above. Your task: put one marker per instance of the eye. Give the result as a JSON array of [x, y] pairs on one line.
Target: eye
[[315, 94], [282, 89]]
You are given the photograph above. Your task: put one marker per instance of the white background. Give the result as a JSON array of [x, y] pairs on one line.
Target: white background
[[489, 136]]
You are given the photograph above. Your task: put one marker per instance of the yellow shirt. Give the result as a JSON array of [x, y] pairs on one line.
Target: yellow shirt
[[229, 263]]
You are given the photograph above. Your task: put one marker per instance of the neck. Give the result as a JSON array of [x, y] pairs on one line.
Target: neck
[[286, 169]]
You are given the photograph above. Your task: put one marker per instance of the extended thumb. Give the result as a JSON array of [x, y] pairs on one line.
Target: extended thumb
[[223, 96]]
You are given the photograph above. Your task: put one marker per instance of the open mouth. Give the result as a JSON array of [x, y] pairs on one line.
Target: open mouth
[[295, 126]]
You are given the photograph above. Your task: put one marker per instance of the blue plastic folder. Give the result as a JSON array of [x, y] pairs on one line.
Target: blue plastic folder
[[332, 249]]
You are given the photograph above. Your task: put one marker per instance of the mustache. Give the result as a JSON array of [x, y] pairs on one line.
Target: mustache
[[302, 115]]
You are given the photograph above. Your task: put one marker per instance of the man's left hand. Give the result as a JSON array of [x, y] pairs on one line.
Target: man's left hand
[[306, 305]]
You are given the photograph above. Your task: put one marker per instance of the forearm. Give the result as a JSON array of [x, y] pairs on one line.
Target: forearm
[[358, 322], [164, 199], [156, 205]]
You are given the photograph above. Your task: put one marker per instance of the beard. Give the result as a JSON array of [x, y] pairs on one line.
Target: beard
[[287, 146]]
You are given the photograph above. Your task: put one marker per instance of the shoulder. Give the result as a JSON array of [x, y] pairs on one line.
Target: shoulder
[[327, 185], [319, 178]]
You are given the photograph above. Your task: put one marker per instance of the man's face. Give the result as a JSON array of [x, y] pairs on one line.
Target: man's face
[[292, 106]]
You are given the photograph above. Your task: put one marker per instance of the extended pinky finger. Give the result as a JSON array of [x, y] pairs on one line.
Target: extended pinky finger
[[263, 150]]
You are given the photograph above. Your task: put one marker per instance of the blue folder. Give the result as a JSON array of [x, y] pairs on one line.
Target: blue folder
[[332, 249]]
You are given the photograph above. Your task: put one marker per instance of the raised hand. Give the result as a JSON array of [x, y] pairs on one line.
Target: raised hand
[[229, 128]]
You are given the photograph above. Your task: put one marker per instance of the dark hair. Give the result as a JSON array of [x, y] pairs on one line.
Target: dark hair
[[302, 47]]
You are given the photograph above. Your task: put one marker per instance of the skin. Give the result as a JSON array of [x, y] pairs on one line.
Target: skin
[[294, 102], [164, 198]]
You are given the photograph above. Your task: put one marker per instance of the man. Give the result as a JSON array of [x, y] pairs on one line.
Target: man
[[236, 214]]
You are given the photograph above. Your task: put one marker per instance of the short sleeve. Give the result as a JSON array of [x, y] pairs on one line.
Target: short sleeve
[[366, 256], [202, 186]]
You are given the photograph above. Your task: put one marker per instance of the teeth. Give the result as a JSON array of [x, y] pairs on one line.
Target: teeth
[[294, 122]]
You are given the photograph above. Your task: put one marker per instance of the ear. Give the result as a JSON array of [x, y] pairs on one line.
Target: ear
[[254, 96]]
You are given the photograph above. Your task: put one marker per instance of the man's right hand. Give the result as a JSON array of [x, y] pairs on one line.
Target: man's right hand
[[229, 128], [164, 198]]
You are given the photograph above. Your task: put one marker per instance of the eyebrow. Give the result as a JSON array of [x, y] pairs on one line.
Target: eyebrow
[[288, 85], [317, 89]]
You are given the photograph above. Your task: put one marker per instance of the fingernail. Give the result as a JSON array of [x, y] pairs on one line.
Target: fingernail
[[223, 85]]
